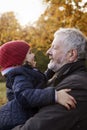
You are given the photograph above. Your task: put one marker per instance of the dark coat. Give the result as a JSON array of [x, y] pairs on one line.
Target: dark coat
[[26, 94], [57, 117]]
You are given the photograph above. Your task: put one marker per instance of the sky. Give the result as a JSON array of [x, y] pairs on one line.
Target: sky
[[26, 11]]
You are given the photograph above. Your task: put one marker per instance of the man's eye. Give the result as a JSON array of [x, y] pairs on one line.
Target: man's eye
[[54, 48]]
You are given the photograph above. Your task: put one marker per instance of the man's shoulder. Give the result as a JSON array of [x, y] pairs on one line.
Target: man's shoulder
[[77, 76], [75, 80]]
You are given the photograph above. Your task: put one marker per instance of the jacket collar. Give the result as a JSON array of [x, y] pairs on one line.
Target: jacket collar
[[69, 69]]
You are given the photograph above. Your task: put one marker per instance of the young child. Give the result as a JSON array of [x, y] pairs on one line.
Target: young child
[[25, 85]]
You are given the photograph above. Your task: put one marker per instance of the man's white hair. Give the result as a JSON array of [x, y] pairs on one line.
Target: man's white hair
[[73, 38]]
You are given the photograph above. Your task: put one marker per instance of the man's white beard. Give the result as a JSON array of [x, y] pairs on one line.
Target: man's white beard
[[54, 66]]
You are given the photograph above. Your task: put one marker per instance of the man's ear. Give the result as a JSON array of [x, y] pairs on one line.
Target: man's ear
[[72, 55]]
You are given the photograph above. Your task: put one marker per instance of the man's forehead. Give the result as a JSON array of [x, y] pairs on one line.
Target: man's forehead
[[57, 41]]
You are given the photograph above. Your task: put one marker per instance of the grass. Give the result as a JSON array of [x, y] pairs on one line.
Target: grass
[[3, 98]]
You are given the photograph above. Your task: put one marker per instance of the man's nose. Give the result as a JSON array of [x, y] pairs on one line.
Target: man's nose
[[48, 51]]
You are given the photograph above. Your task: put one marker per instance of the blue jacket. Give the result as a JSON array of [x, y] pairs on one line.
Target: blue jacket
[[26, 93]]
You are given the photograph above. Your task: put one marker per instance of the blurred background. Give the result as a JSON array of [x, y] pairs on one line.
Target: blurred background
[[35, 22]]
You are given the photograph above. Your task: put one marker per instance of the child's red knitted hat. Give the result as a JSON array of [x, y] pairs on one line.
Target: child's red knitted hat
[[13, 53]]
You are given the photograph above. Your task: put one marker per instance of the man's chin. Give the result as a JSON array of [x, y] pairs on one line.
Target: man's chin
[[55, 67], [51, 66]]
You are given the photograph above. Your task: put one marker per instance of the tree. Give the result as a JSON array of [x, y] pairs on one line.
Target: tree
[[61, 13], [9, 27]]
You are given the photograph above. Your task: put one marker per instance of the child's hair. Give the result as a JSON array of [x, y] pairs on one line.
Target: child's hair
[[13, 53]]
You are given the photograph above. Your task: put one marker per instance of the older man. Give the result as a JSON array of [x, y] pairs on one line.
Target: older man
[[67, 59]]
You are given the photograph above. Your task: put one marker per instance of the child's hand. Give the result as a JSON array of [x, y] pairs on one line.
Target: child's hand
[[63, 98]]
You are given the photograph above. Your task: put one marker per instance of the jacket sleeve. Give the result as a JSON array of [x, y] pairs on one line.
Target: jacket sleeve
[[27, 95]]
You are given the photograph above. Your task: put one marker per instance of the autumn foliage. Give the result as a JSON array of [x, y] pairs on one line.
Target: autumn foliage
[[59, 13]]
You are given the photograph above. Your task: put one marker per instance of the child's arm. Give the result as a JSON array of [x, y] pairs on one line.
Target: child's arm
[[28, 96]]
